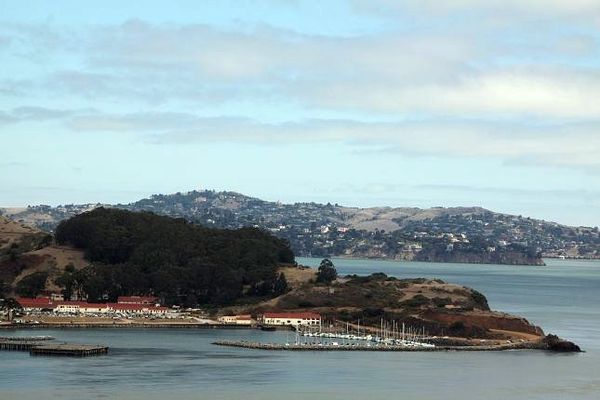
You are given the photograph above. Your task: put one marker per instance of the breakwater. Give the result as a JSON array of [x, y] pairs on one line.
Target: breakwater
[[121, 325], [363, 347]]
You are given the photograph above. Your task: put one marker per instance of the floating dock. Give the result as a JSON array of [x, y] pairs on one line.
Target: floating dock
[[65, 349], [42, 347]]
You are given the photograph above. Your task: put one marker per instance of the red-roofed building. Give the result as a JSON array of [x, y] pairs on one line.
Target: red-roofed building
[[35, 304], [291, 318], [137, 300], [80, 307], [139, 308]]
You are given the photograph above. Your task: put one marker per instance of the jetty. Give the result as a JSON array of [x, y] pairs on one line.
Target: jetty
[[364, 347], [44, 346]]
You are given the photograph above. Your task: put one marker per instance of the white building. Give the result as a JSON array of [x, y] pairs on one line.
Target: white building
[[80, 307], [291, 318], [236, 319]]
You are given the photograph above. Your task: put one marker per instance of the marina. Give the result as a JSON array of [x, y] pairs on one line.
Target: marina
[[390, 333]]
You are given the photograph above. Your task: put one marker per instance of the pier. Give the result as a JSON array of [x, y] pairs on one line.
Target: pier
[[16, 345], [25, 338]]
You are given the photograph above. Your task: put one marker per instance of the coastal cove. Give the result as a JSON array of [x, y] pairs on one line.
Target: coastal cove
[[182, 363]]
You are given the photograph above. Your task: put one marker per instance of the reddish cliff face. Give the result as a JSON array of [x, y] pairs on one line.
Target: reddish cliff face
[[485, 320]]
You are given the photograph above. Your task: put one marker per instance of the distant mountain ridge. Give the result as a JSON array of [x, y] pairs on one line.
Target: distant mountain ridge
[[461, 234]]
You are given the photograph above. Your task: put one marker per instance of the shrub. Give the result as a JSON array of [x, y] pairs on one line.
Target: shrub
[[416, 301], [457, 327], [441, 301], [480, 299]]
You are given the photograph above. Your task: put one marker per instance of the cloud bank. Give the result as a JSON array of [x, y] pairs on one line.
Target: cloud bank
[[516, 80]]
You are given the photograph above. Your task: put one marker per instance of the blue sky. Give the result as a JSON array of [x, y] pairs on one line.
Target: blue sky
[[399, 103]]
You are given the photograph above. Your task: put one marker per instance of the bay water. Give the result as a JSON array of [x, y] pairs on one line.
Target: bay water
[[562, 297]]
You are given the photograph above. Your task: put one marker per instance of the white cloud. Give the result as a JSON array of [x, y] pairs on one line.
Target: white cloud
[[519, 8], [435, 73], [534, 91], [475, 88], [575, 146]]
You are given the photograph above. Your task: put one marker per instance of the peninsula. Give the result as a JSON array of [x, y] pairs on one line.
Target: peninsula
[[82, 275]]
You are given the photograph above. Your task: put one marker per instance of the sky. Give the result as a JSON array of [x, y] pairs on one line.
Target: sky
[[422, 103]]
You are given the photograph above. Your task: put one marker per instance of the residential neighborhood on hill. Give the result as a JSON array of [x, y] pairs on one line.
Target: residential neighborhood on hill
[[458, 234]]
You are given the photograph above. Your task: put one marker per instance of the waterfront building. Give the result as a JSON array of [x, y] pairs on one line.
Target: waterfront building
[[82, 307], [137, 300], [236, 319], [139, 309], [35, 304], [291, 318]]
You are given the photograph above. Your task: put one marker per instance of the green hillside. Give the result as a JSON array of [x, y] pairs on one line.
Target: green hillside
[[143, 253]]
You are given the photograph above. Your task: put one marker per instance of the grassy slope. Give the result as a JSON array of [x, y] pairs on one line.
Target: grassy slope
[[443, 308], [25, 250]]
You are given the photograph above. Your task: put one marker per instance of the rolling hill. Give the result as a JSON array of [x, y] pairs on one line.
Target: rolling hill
[[460, 234]]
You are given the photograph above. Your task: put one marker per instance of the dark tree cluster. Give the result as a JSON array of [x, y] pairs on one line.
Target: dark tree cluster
[[32, 284], [143, 253], [326, 272]]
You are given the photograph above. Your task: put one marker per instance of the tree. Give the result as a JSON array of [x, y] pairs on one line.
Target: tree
[[10, 305], [71, 281], [327, 272], [32, 284], [280, 286]]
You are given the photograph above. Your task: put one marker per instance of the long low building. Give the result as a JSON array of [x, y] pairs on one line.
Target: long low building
[[82, 307], [291, 318], [245, 319], [152, 300]]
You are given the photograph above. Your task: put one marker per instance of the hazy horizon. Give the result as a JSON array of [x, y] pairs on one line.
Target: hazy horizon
[[363, 103]]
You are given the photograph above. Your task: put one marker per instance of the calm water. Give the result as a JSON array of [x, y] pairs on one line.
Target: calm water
[[563, 298]]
